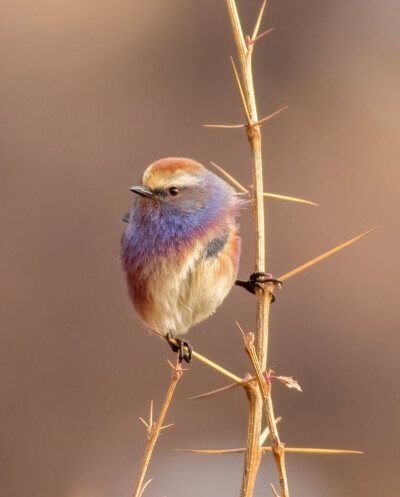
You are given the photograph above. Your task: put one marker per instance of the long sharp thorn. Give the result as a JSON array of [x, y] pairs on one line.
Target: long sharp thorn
[[303, 450], [274, 490], [223, 389], [259, 19], [323, 256], [213, 451], [293, 450], [246, 112], [230, 178], [144, 422], [267, 118], [240, 187], [144, 487], [214, 392], [290, 199], [264, 435], [226, 126], [255, 40], [218, 368], [204, 360], [166, 426]]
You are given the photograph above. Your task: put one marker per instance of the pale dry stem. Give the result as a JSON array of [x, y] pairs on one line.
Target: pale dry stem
[[277, 447], [245, 50], [154, 429]]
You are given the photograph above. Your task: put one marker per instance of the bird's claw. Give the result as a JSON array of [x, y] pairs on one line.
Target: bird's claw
[[258, 281], [183, 348]]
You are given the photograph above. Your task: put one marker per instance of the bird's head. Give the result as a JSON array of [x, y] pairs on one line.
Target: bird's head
[[176, 187]]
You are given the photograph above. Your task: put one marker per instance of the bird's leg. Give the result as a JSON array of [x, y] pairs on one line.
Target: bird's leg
[[258, 281], [185, 355]]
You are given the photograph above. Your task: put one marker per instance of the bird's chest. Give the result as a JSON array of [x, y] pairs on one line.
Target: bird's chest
[[170, 274], [158, 268]]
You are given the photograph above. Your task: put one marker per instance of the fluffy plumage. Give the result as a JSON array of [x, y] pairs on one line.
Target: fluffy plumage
[[181, 247]]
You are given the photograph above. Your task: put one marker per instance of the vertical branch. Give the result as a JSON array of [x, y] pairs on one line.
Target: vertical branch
[[277, 447], [154, 429], [244, 46], [253, 452], [245, 50]]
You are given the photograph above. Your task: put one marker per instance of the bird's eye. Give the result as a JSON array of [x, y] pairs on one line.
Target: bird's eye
[[173, 191]]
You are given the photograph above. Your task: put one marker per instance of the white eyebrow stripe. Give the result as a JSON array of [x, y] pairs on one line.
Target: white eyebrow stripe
[[180, 179], [183, 179]]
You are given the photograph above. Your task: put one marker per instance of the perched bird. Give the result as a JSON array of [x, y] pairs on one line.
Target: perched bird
[[181, 247]]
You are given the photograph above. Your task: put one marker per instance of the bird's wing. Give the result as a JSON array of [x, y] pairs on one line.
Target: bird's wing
[[125, 219], [213, 248]]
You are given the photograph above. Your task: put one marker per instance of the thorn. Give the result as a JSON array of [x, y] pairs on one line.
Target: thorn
[[144, 422], [214, 392], [246, 112], [214, 451], [144, 487], [255, 40], [151, 413], [166, 426], [240, 187], [230, 178], [259, 19], [227, 126], [223, 389], [203, 359], [290, 199], [217, 367], [293, 450], [274, 491], [301, 450], [324, 255], [265, 119], [265, 434], [241, 330]]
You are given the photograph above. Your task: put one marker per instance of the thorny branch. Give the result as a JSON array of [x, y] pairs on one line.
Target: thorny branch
[[258, 388], [244, 46], [154, 428]]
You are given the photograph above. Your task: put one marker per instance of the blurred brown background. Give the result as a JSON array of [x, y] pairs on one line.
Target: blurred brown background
[[93, 91]]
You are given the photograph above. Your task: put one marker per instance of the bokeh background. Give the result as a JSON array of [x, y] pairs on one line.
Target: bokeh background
[[93, 91]]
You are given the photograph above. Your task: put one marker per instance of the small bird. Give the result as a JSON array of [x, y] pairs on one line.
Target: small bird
[[181, 247]]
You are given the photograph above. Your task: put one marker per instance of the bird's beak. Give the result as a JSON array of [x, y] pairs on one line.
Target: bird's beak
[[142, 190]]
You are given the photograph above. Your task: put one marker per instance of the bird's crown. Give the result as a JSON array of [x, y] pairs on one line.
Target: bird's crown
[[173, 172]]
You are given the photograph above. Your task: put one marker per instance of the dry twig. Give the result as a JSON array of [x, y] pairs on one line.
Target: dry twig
[[277, 446], [245, 50], [154, 428]]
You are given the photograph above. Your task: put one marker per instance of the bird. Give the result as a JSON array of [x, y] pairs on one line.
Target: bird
[[181, 247]]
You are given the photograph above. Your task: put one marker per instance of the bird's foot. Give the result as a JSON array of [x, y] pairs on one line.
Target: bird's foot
[[258, 281], [183, 348]]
